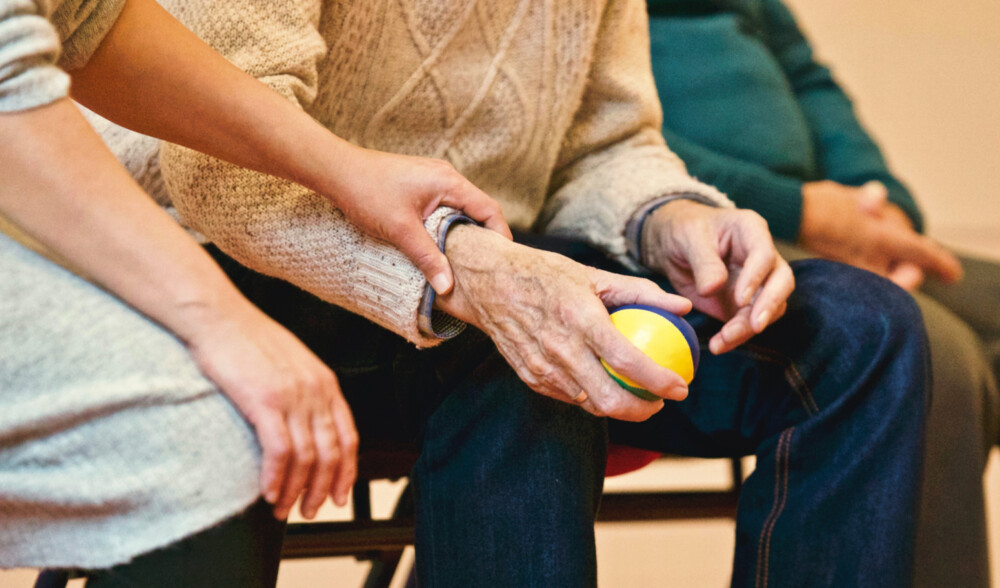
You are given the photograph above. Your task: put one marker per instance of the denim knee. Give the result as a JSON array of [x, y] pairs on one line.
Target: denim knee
[[858, 327], [868, 302]]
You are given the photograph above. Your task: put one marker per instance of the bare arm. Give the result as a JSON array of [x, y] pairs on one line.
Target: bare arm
[[64, 188], [152, 75]]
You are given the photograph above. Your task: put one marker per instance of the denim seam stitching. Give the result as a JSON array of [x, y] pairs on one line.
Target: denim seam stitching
[[780, 500], [792, 375]]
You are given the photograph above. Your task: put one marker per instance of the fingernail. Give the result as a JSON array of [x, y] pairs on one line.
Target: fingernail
[[762, 318], [441, 284]]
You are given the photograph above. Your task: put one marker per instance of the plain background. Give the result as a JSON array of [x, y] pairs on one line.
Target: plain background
[[924, 77]]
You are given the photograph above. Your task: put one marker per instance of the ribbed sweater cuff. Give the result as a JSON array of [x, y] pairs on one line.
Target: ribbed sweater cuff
[[434, 323], [33, 88], [633, 230]]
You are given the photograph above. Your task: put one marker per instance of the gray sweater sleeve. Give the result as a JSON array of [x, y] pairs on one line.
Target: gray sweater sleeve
[[32, 35], [29, 48]]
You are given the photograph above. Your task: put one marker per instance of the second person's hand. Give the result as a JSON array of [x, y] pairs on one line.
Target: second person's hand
[[291, 398], [390, 196], [859, 226]]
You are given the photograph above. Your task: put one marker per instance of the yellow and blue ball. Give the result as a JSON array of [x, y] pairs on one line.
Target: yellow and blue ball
[[665, 337]]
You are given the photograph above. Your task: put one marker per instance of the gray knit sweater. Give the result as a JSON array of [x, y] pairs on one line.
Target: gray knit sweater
[[112, 443]]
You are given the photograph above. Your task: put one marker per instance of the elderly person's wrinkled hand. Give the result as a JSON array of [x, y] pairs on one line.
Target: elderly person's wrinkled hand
[[725, 261], [548, 317]]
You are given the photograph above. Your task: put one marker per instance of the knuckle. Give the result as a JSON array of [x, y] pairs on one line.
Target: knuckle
[[607, 404], [324, 381], [536, 365], [326, 455], [306, 454], [443, 165], [280, 450], [308, 383], [752, 218], [349, 442], [626, 363]]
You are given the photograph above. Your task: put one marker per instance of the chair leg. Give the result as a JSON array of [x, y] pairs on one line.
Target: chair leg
[[385, 564], [52, 579]]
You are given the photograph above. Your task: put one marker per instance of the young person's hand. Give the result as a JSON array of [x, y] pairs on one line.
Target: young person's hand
[[291, 398], [389, 196], [724, 260], [89, 212]]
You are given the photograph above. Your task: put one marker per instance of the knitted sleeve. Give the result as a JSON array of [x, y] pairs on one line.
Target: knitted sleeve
[[846, 153], [29, 48], [272, 225], [33, 36], [614, 159]]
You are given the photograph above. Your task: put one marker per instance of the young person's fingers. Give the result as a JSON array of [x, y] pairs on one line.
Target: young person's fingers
[[416, 244], [347, 467], [317, 488], [300, 466], [276, 449]]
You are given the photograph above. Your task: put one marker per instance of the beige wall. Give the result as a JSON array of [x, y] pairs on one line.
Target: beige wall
[[925, 76]]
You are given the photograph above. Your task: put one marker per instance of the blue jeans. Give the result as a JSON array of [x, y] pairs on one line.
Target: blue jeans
[[831, 399]]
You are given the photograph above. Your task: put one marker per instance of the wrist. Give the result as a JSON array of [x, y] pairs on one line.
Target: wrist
[[207, 312], [654, 230], [813, 199], [325, 163], [475, 254]]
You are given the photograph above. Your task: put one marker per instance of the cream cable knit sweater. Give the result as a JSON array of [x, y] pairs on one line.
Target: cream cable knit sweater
[[547, 106]]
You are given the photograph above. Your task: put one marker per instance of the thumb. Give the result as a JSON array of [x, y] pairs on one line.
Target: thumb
[[420, 248], [908, 276], [873, 196]]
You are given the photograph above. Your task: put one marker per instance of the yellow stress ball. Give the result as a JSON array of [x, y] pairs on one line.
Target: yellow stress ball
[[663, 336]]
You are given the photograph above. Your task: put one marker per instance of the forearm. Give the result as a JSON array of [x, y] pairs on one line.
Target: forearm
[[284, 230], [65, 189], [614, 159], [154, 76]]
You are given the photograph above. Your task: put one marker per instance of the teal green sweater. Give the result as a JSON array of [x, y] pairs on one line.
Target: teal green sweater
[[749, 110]]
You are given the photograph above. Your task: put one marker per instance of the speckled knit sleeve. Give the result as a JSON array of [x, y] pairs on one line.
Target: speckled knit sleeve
[[271, 225], [614, 159]]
